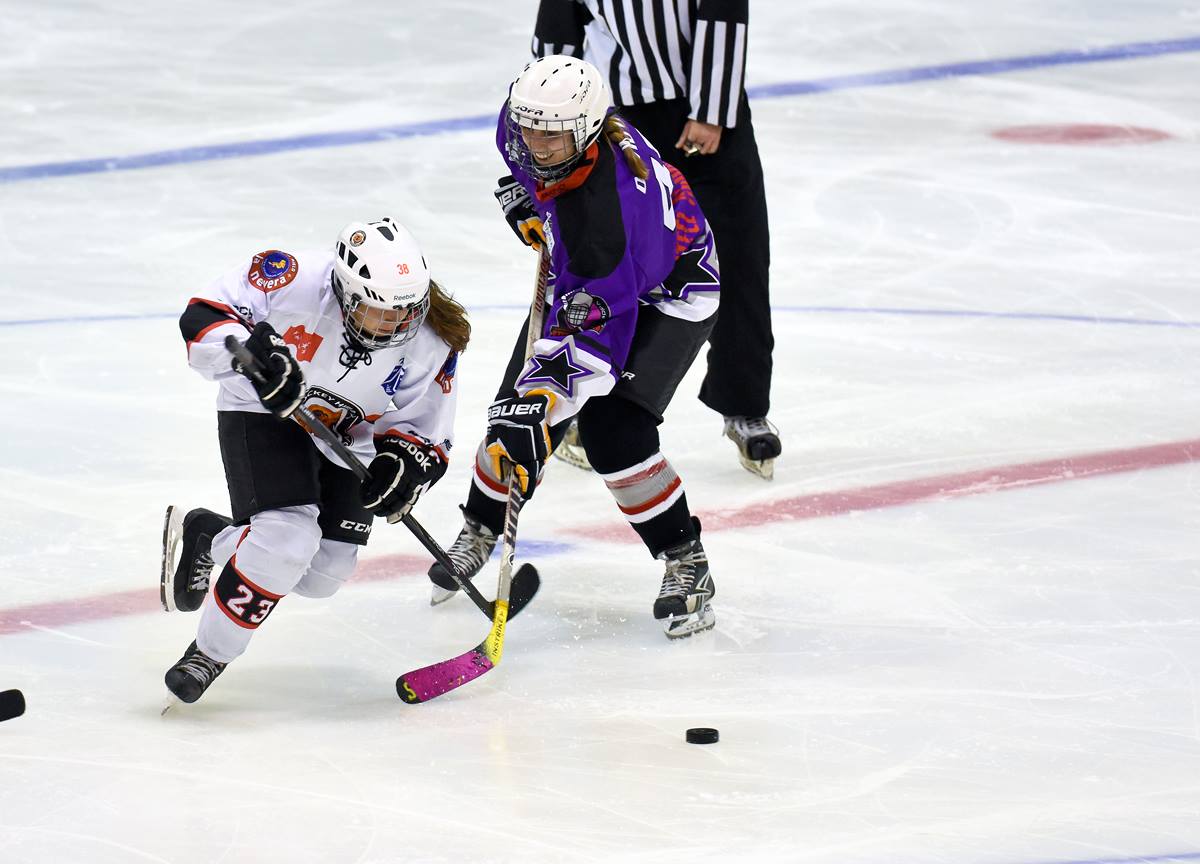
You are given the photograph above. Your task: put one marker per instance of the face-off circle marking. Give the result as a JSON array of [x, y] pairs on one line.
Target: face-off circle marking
[[1081, 134]]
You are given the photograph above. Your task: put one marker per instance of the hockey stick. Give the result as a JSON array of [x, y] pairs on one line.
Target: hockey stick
[[528, 585], [429, 682]]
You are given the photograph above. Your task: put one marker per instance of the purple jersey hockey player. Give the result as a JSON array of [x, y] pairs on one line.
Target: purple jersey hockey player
[[632, 296]]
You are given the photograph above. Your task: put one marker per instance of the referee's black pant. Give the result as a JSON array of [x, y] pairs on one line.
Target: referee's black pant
[[729, 187]]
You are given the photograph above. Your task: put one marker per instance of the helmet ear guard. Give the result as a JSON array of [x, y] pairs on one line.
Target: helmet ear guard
[[558, 95], [382, 282]]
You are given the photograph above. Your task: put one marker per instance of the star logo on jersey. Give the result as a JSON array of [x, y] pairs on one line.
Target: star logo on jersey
[[305, 343], [557, 369]]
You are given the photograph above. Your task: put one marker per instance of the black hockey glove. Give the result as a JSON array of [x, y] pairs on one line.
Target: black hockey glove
[[279, 382], [518, 210], [402, 469], [518, 438]]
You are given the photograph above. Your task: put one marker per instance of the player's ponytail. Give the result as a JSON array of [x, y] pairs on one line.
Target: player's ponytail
[[448, 318], [618, 134]]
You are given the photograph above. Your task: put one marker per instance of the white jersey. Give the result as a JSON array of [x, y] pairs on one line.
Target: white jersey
[[405, 390]]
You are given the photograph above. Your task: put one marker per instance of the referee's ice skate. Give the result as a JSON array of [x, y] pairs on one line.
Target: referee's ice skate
[[186, 557], [758, 443], [687, 587]]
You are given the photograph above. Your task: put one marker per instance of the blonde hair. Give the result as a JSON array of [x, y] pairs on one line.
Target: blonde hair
[[448, 318], [618, 133]]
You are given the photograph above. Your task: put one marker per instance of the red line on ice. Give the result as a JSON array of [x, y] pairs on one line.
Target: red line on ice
[[60, 613], [943, 487], [815, 506]]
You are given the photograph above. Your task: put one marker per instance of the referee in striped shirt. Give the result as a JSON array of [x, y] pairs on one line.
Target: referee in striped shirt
[[676, 69]]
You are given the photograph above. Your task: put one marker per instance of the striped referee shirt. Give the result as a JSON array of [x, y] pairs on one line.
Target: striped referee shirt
[[654, 50]]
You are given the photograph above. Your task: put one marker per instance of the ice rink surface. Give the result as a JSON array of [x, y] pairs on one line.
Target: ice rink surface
[[962, 626]]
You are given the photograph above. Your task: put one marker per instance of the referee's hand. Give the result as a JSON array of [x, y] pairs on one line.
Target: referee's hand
[[699, 138]]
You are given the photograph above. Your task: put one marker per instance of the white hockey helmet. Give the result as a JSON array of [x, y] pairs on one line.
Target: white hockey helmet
[[555, 95], [382, 281]]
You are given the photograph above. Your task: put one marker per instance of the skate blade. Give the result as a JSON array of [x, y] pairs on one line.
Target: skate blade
[[764, 468], [573, 455], [172, 534], [172, 701], [682, 626], [440, 595]]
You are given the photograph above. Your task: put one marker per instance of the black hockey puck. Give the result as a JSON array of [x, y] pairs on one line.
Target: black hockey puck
[[12, 704], [703, 735]]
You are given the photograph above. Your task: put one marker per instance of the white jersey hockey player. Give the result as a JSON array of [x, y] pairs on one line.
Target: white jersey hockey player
[[368, 343]]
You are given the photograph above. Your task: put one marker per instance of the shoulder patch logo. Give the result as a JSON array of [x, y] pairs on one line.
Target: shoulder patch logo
[[445, 377], [272, 270], [392, 382], [305, 343], [580, 311]]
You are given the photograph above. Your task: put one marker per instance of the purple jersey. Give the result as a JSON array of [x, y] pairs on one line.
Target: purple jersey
[[617, 243]]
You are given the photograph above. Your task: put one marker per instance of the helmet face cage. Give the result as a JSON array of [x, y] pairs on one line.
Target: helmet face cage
[[521, 156], [390, 326]]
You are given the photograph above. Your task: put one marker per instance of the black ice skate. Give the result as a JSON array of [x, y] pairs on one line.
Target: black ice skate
[[186, 560], [758, 443], [189, 678], [570, 449], [687, 587], [469, 552]]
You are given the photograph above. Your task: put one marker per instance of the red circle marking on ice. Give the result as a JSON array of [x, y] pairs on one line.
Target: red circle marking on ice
[[1080, 133]]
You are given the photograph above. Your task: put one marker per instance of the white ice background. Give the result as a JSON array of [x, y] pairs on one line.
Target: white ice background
[[1002, 678]]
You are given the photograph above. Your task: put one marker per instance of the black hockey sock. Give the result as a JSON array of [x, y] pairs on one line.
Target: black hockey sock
[[669, 528], [488, 511]]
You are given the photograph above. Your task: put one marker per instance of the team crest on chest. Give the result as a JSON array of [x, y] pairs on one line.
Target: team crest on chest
[[335, 411], [305, 343], [272, 270], [394, 379]]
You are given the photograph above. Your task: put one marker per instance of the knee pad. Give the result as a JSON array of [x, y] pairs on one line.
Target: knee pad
[[278, 547], [329, 570]]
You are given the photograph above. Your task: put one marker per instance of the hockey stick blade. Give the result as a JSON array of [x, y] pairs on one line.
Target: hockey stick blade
[[12, 704], [525, 584], [429, 682]]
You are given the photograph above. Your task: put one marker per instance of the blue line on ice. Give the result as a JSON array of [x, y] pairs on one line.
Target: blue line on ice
[[813, 310], [885, 78]]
